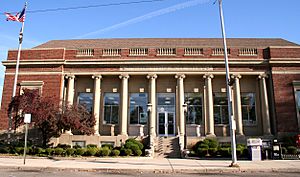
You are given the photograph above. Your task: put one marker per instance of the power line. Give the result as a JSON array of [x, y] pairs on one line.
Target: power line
[[91, 6]]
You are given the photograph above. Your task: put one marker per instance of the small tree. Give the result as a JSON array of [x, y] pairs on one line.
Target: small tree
[[44, 112], [78, 119], [48, 117]]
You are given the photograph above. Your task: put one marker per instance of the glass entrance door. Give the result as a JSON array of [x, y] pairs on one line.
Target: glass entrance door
[[166, 123], [166, 114]]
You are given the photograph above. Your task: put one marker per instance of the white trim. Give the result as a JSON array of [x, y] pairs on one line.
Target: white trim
[[36, 73], [286, 72]]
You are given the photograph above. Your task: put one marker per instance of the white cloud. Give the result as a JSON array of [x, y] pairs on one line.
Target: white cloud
[[147, 16]]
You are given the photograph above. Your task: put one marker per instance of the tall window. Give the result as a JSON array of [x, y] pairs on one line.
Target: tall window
[[298, 100], [111, 108], [86, 100], [138, 108], [194, 108], [248, 108], [220, 109]]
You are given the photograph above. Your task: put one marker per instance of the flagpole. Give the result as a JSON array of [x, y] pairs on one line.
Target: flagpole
[[229, 96], [16, 73]]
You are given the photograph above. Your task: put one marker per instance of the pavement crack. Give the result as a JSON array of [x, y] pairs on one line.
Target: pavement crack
[[171, 165]]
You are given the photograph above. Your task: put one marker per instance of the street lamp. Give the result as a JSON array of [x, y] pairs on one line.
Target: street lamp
[[229, 96]]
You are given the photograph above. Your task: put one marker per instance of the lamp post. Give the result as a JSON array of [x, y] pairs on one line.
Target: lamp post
[[229, 96]]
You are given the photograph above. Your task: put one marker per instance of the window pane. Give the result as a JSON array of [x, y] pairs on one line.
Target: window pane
[[248, 108], [111, 108], [194, 108], [221, 108], [86, 99], [138, 108]]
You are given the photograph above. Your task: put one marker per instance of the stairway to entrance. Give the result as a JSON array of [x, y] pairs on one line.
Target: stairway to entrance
[[167, 147]]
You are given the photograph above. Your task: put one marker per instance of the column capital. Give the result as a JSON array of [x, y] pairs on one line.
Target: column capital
[[208, 76], [151, 76], [97, 76], [263, 76], [124, 76], [180, 76], [70, 76], [236, 76]]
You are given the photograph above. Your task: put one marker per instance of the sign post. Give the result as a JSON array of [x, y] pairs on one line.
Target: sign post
[[27, 120]]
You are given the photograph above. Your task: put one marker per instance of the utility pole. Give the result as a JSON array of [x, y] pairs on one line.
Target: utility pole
[[229, 93]]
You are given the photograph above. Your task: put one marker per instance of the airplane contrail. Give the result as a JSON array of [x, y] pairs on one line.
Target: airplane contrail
[[146, 17]]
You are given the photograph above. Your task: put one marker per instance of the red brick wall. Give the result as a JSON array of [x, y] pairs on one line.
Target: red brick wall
[[285, 52], [51, 87], [285, 102], [37, 54]]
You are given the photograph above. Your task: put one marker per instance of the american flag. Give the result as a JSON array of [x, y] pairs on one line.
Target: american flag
[[19, 17]]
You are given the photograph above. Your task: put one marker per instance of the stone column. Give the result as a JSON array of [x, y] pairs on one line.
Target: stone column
[[152, 117], [209, 105], [237, 105], [70, 94], [124, 104], [180, 85], [70, 88], [96, 105], [264, 105]]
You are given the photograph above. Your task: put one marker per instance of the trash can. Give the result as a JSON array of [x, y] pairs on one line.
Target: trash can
[[266, 149], [277, 153], [254, 148]]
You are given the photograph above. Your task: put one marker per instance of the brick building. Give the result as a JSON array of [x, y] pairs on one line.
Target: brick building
[[166, 87]]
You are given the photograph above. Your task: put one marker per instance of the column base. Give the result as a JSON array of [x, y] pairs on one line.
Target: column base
[[210, 135], [97, 134]]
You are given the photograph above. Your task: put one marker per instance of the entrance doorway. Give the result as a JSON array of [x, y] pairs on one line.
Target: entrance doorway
[[166, 114], [166, 123]]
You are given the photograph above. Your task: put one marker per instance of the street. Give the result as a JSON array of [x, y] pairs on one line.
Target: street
[[54, 173]]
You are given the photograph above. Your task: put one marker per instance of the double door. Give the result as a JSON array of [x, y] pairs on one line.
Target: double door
[[166, 123]]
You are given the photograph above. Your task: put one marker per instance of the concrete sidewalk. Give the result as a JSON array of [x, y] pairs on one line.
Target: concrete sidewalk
[[144, 164]]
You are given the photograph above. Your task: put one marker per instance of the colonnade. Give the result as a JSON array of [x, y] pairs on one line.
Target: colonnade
[[207, 103]]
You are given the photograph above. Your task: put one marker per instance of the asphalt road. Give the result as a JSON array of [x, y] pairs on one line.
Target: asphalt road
[[37, 173]]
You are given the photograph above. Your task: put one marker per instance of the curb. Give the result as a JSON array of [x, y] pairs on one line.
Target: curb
[[162, 171]]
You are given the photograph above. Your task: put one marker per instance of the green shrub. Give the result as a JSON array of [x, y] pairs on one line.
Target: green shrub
[[64, 146], [225, 151], [76, 146], [38, 150], [4, 150], [138, 152], [115, 152], [105, 151], [292, 150], [284, 150], [201, 152], [239, 152], [226, 145], [91, 146], [134, 141], [205, 146], [70, 151], [58, 151], [212, 143], [212, 151], [19, 150], [126, 152], [80, 151], [109, 146], [91, 151], [49, 151]]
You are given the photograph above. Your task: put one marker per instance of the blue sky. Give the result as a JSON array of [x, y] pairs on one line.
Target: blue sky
[[169, 18]]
